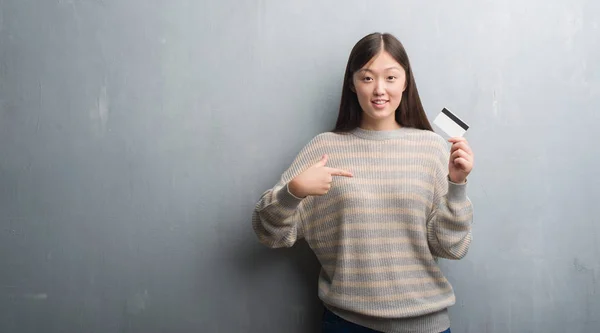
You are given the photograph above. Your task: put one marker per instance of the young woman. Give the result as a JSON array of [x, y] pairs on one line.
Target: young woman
[[378, 200]]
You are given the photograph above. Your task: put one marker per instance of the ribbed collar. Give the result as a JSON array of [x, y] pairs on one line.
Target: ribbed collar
[[380, 135]]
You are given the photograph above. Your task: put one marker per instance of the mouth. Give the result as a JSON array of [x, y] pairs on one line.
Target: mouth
[[379, 103]]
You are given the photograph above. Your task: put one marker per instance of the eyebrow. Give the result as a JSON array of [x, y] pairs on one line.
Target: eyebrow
[[368, 70]]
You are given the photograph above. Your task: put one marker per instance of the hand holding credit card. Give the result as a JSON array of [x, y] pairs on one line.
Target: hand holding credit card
[[461, 155]]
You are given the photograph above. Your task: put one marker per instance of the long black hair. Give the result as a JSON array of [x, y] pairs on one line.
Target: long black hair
[[410, 112]]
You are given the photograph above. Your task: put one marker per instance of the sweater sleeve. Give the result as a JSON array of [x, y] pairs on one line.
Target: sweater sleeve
[[277, 217], [449, 224]]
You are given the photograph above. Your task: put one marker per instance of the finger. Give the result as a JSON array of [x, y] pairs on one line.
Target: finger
[[461, 153], [340, 172], [459, 142], [461, 145], [467, 154], [325, 189], [457, 139], [323, 161], [463, 164]]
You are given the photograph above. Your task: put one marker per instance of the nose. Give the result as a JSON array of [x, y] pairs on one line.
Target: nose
[[379, 88]]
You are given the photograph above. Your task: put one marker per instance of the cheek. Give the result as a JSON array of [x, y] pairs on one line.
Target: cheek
[[397, 92], [363, 96]]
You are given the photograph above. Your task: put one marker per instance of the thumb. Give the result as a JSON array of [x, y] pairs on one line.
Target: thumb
[[323, 161]]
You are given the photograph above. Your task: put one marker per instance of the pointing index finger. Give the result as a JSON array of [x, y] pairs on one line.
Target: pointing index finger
[[340, 172]]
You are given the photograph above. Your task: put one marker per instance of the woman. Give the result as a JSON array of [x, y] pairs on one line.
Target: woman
[[378, 200]]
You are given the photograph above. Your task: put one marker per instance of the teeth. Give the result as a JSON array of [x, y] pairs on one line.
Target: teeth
[[379, 102]]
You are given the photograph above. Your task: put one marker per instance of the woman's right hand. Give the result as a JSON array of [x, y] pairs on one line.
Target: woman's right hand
[[316, 180]]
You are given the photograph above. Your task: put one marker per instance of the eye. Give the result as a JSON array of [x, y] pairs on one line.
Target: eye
[[391, 78], [367, 79]]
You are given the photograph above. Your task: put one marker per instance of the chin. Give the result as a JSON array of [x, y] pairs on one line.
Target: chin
[[380, 115]]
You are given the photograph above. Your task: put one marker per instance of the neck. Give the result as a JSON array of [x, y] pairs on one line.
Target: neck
[[380, 126]]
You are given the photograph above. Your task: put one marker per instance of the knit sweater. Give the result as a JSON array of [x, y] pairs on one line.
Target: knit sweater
[[378, 234]]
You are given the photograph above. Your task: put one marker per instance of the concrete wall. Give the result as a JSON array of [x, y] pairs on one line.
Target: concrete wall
[[136, 137]]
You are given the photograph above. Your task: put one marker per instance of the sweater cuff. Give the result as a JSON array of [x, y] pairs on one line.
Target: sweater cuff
[[457, 192], [287, 199]]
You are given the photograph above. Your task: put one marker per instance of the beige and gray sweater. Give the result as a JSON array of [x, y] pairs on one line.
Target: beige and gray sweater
[[378, 234]]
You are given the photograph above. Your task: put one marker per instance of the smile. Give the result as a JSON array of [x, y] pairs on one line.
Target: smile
[[379, 103]]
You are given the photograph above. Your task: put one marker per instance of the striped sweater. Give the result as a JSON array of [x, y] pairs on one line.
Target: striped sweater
[[378, 234]]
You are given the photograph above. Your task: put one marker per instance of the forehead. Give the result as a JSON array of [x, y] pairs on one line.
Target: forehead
[[382, 61]]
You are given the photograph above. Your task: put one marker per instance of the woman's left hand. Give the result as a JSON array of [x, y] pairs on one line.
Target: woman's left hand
[[461, 160]]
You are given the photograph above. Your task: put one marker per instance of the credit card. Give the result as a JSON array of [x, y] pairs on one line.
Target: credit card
[[450, 124]]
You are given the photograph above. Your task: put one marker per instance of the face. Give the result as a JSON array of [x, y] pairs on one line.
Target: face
[[379, 85]]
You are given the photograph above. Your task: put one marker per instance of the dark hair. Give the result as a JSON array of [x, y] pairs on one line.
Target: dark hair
[[410, 112]]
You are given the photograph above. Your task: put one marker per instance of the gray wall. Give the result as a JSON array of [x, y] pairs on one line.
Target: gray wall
[[136, 137]]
